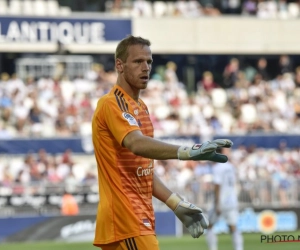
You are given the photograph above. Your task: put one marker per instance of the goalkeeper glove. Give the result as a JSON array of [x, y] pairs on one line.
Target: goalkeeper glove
[[190, 215], [205, 151]]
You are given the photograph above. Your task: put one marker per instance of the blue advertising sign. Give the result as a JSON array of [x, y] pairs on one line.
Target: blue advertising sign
[[85, 144], [64, 30], [265, 221], [67, 228]]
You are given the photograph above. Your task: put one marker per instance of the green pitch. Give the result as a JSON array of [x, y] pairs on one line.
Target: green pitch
[[252, 241]]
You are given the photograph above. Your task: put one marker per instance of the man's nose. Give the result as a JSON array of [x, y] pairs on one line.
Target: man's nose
[[145, 66]]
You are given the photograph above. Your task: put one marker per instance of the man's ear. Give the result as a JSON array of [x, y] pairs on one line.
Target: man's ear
[[119, 65]]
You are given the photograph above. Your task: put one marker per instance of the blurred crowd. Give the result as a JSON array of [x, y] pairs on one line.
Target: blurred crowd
[[196, 8], [246, 100], [265, 176], [34, 172], [282, 9]]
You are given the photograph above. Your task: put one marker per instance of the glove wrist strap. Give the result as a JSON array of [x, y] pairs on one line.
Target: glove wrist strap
[[173, 200], [183, 153]]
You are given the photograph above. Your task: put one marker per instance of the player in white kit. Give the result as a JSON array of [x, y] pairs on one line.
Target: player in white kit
[[225, 204]]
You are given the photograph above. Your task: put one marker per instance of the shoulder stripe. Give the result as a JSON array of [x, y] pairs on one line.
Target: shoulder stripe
[[125, 104], [119, 104], [121, 101]]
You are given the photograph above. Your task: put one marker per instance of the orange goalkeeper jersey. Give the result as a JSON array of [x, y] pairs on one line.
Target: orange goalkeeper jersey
[[125, 180]]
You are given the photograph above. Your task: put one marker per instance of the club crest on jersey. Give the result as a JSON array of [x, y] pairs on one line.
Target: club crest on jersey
[[146, 222], [136, 111], [131, 120]]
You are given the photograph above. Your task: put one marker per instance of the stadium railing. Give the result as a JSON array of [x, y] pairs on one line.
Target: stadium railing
[[45, 198]]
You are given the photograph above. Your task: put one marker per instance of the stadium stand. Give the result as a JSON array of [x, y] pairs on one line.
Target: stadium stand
[[237, 104], [55, 96], [33, 8], [193, 8], [267, 178], [60, 105], [133, 8]]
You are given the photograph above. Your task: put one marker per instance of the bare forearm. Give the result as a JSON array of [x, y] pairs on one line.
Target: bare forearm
[[150, 148], [160, 190]]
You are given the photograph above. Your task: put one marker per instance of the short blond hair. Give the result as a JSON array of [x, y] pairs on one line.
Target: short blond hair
[[122, 48]]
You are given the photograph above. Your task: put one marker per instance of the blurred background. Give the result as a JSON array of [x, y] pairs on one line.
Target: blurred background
[[222, 68]]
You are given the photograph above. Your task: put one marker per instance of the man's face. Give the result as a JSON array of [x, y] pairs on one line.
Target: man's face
[[136, 69]]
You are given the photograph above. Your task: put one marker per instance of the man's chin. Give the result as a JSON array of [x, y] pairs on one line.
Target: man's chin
[[144, 85]]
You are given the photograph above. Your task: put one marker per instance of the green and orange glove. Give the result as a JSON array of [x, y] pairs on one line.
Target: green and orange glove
[[205, 151], [190, 215]]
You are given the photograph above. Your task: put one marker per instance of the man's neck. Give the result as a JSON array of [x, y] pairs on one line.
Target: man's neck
[[133, 93]]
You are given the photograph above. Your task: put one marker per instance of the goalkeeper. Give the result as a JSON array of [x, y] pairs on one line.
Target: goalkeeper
[[124, 149]]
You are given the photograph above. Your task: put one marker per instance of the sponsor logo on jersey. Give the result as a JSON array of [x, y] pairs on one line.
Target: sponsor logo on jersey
[[131, 120], [145, 171]]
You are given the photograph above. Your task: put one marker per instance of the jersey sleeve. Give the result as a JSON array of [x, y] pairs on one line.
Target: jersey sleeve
[[118, 121]]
